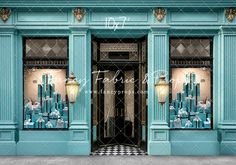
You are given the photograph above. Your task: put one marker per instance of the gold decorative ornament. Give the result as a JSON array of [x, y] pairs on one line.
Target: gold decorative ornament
[[72, 88], [162, 89], [160, 14], [79, 13], [5, 14], [230, 14]]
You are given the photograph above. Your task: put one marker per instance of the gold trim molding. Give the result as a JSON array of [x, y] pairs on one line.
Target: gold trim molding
[[230, 13], [5, 14], [79, 14], [159, 14]]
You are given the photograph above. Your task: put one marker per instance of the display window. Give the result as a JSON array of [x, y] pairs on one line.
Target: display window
[[45, 71], [191, 83]]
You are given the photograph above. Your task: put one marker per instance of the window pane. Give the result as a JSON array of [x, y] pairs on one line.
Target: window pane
[[45, 69], [190, 106], [46, 48], [45, 102], [190, 47]]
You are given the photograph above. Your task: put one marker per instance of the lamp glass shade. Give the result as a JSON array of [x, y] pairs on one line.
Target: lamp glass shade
[[162, 89], [72, 89]]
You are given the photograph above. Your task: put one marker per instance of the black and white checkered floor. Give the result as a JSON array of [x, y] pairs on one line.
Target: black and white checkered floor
[[119, 150]]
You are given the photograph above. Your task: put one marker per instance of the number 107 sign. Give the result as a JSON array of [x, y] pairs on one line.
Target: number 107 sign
[[115, 22]]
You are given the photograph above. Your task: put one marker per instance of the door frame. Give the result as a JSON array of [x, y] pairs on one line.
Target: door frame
[[143, 144]]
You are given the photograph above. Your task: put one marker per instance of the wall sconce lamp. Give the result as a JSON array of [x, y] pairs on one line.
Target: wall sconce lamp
[[162, 89], [72, 88]]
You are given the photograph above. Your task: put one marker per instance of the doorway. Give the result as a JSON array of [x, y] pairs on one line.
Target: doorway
[[119, 92]]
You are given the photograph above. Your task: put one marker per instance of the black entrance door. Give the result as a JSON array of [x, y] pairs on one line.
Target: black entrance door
[[119, 106]]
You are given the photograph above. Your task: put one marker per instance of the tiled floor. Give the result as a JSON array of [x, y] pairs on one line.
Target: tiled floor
[[119, 150]]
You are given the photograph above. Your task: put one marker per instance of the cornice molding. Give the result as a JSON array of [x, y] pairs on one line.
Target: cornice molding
[[121, 3]]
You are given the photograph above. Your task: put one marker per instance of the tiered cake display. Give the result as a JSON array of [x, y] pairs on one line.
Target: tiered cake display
[[188, 110], [49, 112]]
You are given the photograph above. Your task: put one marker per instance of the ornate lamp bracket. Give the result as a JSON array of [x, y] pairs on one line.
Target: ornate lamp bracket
[[159, 13], [79, 13], [5, 14], [230, 13]]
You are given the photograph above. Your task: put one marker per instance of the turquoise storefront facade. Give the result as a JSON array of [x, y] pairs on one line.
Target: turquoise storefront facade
[[130, 19]]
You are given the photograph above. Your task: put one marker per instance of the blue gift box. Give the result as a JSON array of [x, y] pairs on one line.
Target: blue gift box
[[202, 116], [192, 117], [188, 124], [55, 114], [65, 124], [192, 77], [171, 123], [207, 124], [208, 110], [27, 110], [209, 115], [184, 121], [49, 124], [44, 106], [58, 97], [43, 90], [65, 111], [172, 110], [29, 125], [40, 123], [178, 96], [54, 98], [197, 122], [35, 117], [45, 117], [177, 123], [60, 123], [27, 117], [183, 113], [65, 118], [39, 91], [187, 78], [54, 122]]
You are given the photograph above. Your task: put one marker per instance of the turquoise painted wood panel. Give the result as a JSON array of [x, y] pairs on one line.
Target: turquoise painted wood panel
[[80, 61], [190, 142], [228, 142], [42, 17], [217, 98], [7, 94], [161, 59], [50, 136], [229, 113], [158, 133], [6, 135], [77, 58], [120, 3], [196, 16], [229, 135], [120, 17], [80, 112], [7, 82]]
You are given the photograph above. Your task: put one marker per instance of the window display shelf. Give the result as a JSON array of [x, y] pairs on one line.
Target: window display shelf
[[49, 111]]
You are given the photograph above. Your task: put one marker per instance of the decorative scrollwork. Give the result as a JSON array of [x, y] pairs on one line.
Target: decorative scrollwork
[[160, 14], [230, 14], [79, 13], [5, 14]]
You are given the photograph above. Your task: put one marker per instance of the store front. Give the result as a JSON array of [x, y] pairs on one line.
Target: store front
[[118, 54]]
